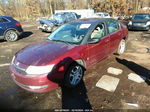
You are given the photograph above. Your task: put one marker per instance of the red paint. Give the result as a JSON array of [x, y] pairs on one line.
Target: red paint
[[62, 55]]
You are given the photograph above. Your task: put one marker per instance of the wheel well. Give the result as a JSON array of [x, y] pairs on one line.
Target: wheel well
[[81, 62], [10, 29], [125, 38]]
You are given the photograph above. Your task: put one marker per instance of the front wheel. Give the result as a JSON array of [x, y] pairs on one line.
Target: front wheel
[[122, 47], [74, 75], [11, 36]]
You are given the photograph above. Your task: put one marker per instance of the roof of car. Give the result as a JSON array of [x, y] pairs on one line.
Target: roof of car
[[64, 12], [142, 14], [5, 16], [8, 17]]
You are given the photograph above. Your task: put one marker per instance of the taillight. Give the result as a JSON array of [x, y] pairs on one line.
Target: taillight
[[18, 24]]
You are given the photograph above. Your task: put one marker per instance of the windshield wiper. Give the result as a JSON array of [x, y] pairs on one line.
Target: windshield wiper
[[61, 41]]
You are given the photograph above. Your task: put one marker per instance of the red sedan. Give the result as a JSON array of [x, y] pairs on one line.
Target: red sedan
[[63, 57]]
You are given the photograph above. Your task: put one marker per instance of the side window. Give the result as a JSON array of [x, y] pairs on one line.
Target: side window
[[2, 20], [99, 14], [113, 26], [71, 17], [67, 17], [99, 31], [106, 14]]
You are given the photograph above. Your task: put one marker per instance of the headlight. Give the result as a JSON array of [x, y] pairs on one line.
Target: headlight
[[38, 70], [13, 60], [148, 23], [130, 23], [51, 24], [45, 25]]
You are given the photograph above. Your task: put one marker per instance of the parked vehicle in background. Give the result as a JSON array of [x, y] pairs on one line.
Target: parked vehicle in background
[[139, 22], [10, 29], [84, 13], [64, 56], [57, 20], [101, 15]]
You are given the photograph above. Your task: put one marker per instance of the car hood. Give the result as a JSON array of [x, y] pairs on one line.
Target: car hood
[[140, 20], [42, 53]]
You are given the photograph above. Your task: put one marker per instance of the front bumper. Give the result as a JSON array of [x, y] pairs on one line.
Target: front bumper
[[37, 84], [45, 28], [140, 27]]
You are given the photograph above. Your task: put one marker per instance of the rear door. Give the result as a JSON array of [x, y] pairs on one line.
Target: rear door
[[98, 51], [2, 25], [115, 34]]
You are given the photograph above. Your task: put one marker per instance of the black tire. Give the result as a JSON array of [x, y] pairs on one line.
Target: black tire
[[68, 79], [122, 47], [11, 36]]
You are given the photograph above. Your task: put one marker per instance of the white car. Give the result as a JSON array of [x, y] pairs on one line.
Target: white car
[[101, 15]]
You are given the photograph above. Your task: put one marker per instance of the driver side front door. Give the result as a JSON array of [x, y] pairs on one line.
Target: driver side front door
[[98, 51]]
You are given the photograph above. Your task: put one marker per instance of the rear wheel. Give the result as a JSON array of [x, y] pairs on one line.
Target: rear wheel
[[74, 75], [122, 47], [11, 36]]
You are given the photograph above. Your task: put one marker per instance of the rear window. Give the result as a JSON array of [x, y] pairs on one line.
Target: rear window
[[113, 26], [3, 20], [106, 14]]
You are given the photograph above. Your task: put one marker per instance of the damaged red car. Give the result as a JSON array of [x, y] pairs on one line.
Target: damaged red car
[[63, 57]]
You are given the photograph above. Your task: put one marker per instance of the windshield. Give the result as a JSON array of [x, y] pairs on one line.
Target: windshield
[[71, 33], [57, 17], [142, 16]]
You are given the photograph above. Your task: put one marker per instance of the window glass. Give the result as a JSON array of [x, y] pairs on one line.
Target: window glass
[[71, 33], [106, 14], [141, 16], [3, 20], [112, 26], [99, 14], [70, 17], [99, 31], [60, 18]]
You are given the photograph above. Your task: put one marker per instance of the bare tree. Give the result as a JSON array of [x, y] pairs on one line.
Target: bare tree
[[25, 9]]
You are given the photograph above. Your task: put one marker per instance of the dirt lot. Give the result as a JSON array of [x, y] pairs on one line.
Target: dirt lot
[[87, 95]]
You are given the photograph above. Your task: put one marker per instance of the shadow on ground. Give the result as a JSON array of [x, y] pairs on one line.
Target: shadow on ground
[[26, 34], [2, 41], [5, 103], [75, 98], [23, 35], [138, 69]]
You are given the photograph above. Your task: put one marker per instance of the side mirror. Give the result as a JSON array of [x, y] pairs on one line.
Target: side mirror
[[94, 41]]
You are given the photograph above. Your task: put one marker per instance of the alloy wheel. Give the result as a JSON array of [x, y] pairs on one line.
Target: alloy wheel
[[75, 75], [11, 35]]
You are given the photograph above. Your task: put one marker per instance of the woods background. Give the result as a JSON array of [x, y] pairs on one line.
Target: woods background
[[31, 9]]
